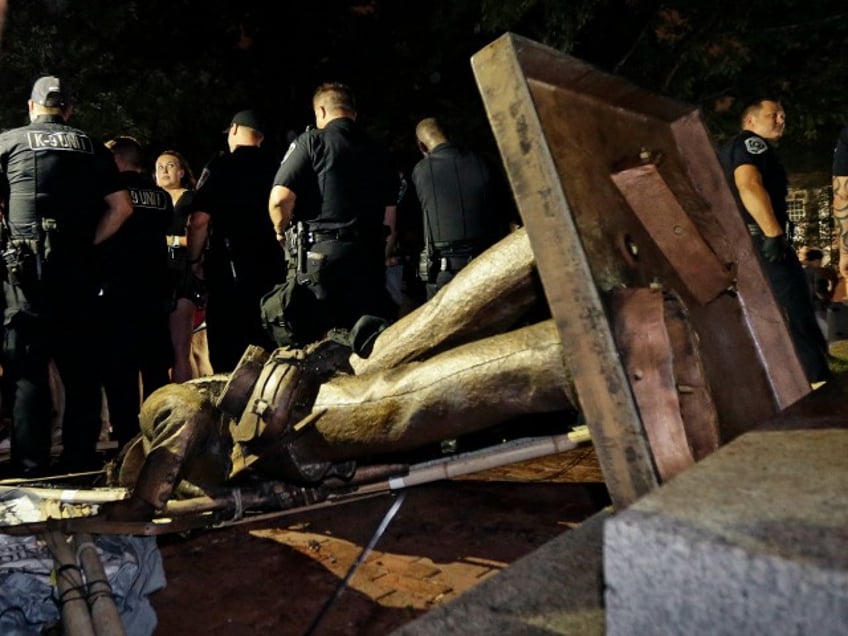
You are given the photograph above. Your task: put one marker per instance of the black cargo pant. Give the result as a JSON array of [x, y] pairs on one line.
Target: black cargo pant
[[135, 343], [62, 328], [348, 284], [792, 292]]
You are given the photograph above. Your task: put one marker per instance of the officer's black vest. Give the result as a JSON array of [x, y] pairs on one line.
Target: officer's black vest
[[460, 214], [52, 182]]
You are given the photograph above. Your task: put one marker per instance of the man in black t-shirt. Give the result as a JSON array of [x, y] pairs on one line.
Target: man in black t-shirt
[[461, 205], [340, 188], [758, 182], [135, 294], [231, 242]]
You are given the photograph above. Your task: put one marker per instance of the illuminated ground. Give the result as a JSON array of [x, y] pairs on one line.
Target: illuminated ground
[[275, 577]]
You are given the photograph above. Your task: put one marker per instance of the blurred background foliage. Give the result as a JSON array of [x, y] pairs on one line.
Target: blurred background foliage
[[173, 72]]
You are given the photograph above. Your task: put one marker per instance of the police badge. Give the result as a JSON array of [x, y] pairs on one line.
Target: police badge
[[755, 145]]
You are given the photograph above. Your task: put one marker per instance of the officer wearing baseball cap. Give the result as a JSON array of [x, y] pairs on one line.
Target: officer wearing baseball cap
[[49, 91], [249, 119], [63, 195], [231, 242]]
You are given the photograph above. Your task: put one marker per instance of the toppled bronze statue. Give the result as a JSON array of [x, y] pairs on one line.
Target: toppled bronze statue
[[454, 366]]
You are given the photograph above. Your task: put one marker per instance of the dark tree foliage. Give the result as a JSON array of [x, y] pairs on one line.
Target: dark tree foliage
[[134, 67], [715, 54], [173, 72]]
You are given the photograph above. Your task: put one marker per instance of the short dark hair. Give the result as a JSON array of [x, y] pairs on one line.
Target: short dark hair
[[754, 104], [128, 149], [336, 96]]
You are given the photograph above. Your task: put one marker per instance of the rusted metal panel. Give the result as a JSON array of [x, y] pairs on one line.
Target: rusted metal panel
[[647, 353], [564, 129]]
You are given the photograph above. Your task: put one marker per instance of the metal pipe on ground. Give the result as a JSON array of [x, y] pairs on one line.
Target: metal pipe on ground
[[477, 461], [510, 452]]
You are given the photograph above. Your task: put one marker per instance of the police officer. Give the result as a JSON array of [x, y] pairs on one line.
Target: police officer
[[243, 260], [339, 188], [136, 296], [759, 184], [463, 212], [840, 197], [64, 196]]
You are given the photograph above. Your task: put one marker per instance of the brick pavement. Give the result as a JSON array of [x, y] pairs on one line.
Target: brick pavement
[[390, 579]]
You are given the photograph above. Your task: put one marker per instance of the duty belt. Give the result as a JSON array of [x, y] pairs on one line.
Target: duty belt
[[459, 247], [317, 236]]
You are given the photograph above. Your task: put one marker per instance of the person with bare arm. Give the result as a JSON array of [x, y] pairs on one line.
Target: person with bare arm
[[65, 196], [840, 198]]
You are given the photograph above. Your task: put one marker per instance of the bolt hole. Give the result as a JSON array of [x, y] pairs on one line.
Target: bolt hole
[[629, 249]]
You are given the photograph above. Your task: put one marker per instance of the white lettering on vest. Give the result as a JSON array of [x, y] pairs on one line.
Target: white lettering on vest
[[44, 140], [148, 199]]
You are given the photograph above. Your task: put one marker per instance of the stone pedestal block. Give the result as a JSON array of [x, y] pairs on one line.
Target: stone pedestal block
[[752, 540]]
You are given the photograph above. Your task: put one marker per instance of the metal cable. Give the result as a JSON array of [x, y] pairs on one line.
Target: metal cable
[[387, 518]]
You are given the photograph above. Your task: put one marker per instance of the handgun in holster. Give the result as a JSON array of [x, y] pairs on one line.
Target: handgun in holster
[[427, 266], [309, 264], [49, 228], [301, 238], [22, 262]]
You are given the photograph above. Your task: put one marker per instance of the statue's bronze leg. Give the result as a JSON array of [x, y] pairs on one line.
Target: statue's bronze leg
[[486, 297], [466, 389]]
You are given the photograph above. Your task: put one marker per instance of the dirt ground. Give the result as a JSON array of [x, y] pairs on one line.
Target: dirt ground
[[284, 576]]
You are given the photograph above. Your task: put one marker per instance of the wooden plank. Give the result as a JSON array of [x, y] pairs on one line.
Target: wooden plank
[[603, 390]]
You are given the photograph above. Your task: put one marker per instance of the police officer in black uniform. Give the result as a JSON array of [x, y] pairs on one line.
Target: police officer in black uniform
[[461, 204], [136, 294], [759, 184], [338, 189], [63, 196], [243, 260]]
